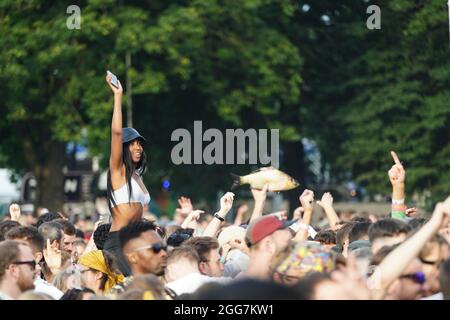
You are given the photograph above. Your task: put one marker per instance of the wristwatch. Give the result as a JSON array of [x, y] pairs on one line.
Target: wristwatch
[[218, 217]]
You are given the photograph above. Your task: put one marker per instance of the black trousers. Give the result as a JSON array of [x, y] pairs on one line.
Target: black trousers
[[112, 245]]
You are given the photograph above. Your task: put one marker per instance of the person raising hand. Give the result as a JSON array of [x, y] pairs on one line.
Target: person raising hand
[[126, 192], [397, 176]]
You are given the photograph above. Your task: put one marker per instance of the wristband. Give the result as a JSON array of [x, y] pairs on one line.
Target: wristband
[[312, 232], [295, 226], [218, 217], [398, 207], [398, 201], [398, 215]]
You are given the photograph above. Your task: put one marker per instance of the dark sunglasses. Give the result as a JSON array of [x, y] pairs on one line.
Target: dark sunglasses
[[31, 263], [156, 248], [417, 277], [431, 263]]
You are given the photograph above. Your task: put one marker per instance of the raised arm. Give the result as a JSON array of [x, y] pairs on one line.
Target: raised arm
[[396, 262], [260, 199], [14, 212], [115, 161], [53, 258], [226, 202], [327, 204], [240, 214], [397, 177], [191, 220], [306, 200]]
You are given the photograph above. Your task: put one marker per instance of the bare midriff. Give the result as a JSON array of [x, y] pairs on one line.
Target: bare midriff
[[125, 213]]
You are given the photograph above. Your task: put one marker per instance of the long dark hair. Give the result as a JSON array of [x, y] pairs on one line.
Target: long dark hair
[[126, 159]]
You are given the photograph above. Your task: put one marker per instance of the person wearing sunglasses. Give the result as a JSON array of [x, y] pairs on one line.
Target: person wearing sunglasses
[[435, 252], [34, 239], [143, 248], [17, 269], [410, 284], [387, 280]]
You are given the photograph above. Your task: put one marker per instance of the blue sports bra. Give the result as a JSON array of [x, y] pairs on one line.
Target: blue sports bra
[[137, 195]]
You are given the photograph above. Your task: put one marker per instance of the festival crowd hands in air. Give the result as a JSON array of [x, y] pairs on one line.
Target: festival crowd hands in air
[[401, 256]]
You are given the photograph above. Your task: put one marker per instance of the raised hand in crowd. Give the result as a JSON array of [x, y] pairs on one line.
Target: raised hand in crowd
[[306, 200], [226, 203], [297, 214], [327, 204], [397, 173], [397, 176], [183, 211], [53, 257], [191, 219], [326, 201], [117, 91], [185, 206], [242, 209], [14, 212], [260, 199], [441, 214]]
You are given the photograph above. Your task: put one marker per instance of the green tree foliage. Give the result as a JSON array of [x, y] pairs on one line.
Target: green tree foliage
[[191, 60], [377, 90]]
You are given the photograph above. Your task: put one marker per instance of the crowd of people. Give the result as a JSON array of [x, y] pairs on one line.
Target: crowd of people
[[198, 255]]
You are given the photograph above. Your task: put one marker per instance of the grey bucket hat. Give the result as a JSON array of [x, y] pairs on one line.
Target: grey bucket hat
[[129, 134]]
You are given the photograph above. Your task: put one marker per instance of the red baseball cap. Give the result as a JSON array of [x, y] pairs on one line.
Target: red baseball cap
[[263, 227]]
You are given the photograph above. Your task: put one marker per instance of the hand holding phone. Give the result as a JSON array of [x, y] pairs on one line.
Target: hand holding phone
[[114, 80]]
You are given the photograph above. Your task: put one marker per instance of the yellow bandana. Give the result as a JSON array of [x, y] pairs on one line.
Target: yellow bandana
[[95, 260]]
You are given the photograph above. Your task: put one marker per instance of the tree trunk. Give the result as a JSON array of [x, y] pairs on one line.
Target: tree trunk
[[50, 177], [46, 161]]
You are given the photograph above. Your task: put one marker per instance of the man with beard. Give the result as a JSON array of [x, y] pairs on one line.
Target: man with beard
[[143, 247], [17, 269], [34, 239], [266, 237], [69, 234]]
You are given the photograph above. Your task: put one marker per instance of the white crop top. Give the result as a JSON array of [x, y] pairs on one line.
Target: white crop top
[[137, 195]]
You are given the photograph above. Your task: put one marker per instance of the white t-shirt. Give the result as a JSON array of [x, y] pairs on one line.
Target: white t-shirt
[[42, 286], [192, 281]]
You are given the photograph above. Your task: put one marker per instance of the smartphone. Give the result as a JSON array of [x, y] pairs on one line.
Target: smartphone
[[114, 80]]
